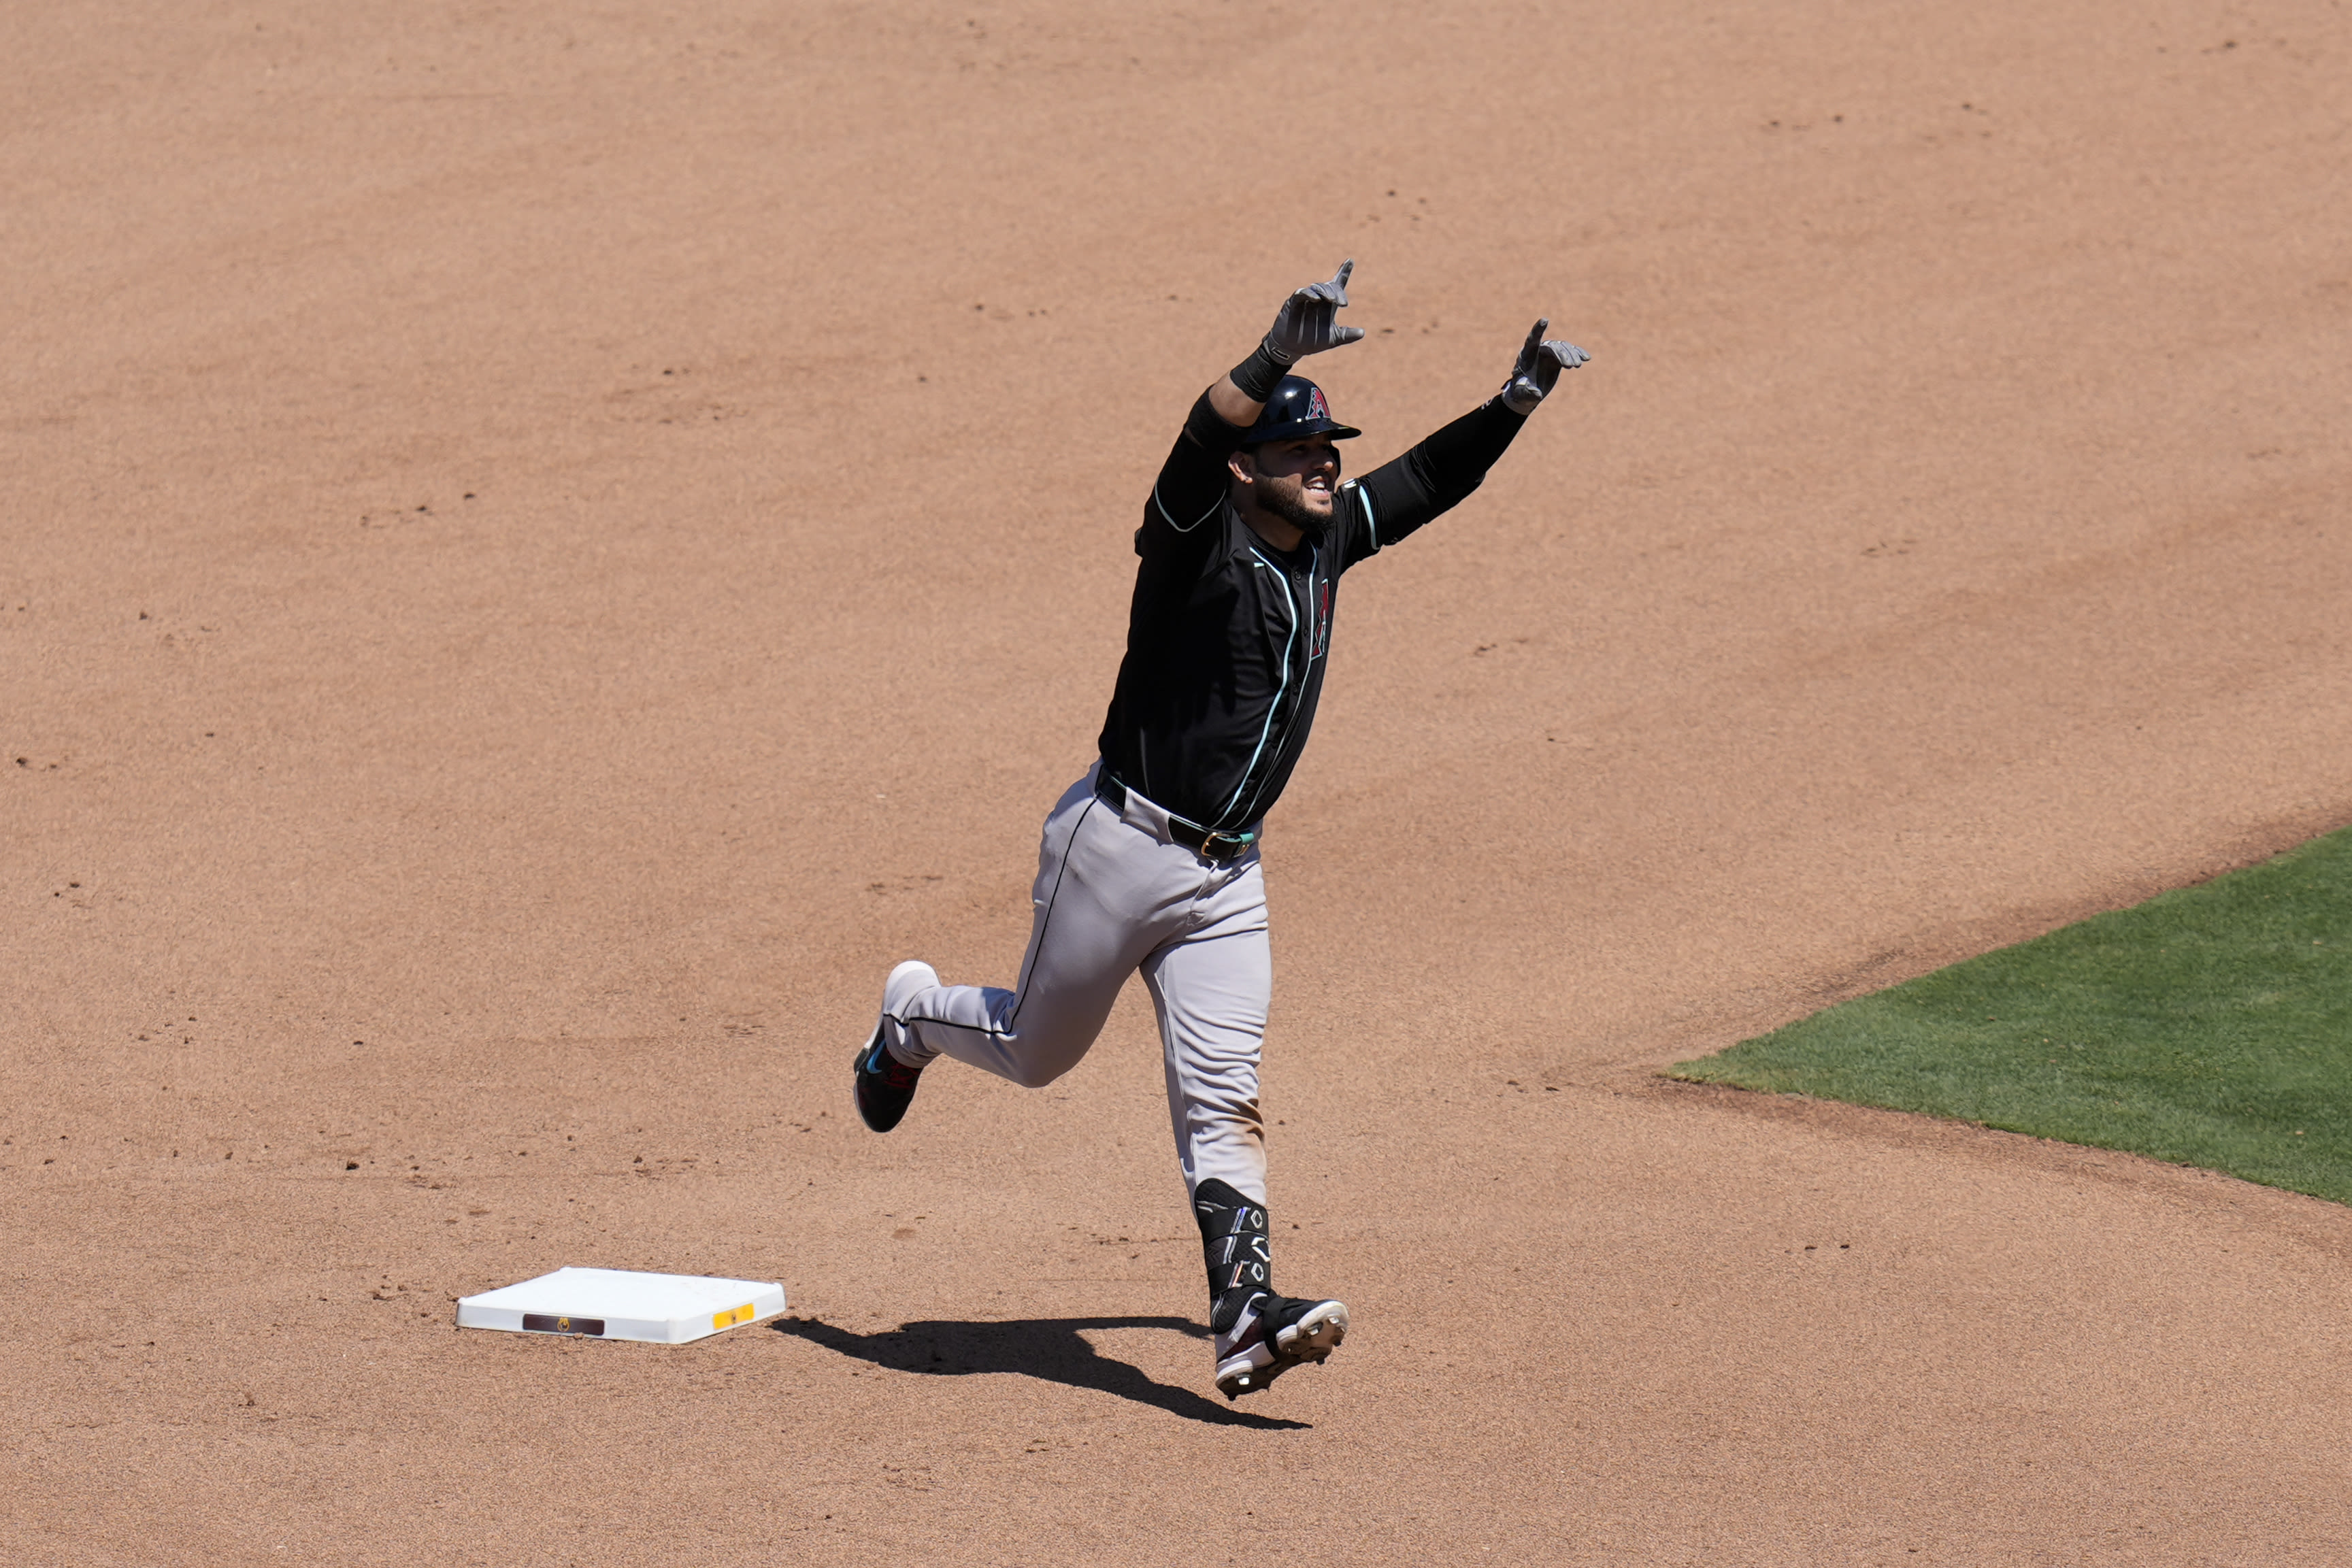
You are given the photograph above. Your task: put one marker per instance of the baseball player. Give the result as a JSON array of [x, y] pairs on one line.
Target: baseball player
[[1150, 862]]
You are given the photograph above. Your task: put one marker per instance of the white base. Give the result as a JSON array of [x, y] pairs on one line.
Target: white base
[[615, 1304]]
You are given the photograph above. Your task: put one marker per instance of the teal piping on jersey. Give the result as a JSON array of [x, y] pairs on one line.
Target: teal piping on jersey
[[1364, 500], [1196, 522], [1290, 605]]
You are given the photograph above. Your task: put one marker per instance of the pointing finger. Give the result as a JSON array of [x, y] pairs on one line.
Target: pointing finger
[[1339, 278]]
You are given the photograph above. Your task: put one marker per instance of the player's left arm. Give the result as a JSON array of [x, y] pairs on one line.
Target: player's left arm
[[1442, 470]]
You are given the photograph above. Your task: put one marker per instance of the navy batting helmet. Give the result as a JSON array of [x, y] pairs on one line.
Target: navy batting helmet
[[1297, 410]]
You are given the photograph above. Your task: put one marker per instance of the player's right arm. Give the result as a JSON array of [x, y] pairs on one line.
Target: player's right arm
[[1192, 486]]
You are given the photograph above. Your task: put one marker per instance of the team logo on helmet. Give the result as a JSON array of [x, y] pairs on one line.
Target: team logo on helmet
[[1316, 407]]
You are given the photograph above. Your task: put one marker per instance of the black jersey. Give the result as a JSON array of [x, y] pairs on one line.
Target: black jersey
[[1226, 635]]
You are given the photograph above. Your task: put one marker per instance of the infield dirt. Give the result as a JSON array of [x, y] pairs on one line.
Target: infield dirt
[[546, 547]]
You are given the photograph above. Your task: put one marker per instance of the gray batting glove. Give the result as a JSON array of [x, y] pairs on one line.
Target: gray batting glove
[[1540, 361], [1308, 324]]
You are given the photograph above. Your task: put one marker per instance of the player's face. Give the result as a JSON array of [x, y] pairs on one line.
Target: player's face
[[1294, 480]]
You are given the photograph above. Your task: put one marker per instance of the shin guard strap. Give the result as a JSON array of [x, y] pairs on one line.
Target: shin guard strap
[[1233, 1239]]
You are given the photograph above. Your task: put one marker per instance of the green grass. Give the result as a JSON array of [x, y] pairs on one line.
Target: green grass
[[2212, 1027]]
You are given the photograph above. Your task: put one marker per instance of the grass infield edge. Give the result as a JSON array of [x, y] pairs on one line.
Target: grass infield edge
[[2211, 1026]]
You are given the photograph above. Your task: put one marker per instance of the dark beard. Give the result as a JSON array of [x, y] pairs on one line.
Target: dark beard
[[1293, 509]]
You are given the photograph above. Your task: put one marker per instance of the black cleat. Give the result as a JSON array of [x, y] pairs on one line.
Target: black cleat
[[1272, 1334], [882, 1087]]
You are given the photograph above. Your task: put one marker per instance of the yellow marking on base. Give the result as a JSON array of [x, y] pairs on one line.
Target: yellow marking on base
[[731, 1316]]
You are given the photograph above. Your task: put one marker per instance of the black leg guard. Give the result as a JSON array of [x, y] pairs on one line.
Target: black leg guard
[[1259, 1335], [1234, 1246]]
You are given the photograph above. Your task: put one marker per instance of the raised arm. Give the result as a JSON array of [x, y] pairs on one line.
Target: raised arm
[[1192, 482], [1307, 324], [1442, 470]]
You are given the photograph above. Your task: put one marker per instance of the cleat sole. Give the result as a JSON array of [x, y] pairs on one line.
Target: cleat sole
[[1310, 1341]]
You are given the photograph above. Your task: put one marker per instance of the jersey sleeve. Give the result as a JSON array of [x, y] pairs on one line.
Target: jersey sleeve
[[1433, 478], [1179, 520]]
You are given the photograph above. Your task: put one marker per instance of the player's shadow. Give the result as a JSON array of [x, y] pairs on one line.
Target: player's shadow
[[1051, 1348]]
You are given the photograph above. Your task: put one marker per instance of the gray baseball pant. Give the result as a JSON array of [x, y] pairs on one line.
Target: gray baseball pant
[[1114, 894]]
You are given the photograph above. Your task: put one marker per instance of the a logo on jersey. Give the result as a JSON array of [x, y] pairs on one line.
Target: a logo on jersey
[[1321, 639], [1316, 407]]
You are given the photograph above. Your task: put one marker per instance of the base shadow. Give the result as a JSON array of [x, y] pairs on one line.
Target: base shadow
[[1050, 1348]]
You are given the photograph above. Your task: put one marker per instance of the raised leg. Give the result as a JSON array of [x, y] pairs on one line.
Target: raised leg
[[1106, 895]]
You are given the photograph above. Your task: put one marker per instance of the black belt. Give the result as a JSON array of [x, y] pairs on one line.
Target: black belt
[[1221, 848]]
